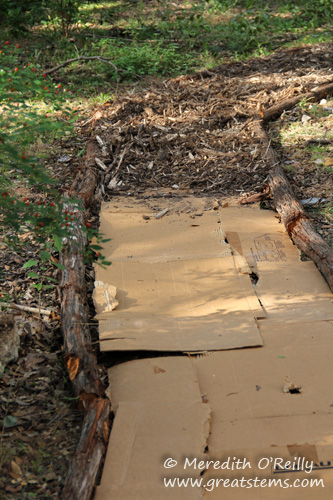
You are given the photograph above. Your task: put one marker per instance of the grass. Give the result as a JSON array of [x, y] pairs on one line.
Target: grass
[[160, 38]]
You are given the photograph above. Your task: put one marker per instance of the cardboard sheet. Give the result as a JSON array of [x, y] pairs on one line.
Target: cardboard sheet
[[180, 305], [169, 378], [158, 415], [181, 287], [249, 383], [254, 418], [288, 289], [251, 416], [174, 237], [177, 285]]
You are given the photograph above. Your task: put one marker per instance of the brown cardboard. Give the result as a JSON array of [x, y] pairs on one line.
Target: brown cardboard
[[249, 382], [251, 415], [177, 285], [257, 235], [138, 447], [321, 471], [288, 288], [178, 293], [154, 379], [254, 418], [174, 237], [294, 292], [159, 415], [180, 305]]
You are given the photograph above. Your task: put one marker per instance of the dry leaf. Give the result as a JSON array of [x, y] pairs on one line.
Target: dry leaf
[[72, 366], [16, 469]]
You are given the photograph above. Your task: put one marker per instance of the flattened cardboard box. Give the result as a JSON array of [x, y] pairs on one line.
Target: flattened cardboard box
[[176, 285], [242, 390], [185, 305], [177, 288], [288, 289], [252, 419]]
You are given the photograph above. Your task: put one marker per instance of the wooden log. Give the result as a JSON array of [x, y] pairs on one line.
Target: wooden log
[[317, 94], [295, 220], [80, 360], [81, 480], [85, 182]]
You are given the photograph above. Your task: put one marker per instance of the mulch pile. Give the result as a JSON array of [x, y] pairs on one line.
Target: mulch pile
[[184, 135], [191, 132]]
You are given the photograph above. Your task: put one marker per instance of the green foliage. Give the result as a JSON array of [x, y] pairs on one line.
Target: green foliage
[[142, 39], [29, 101], [29, 199], [20, 14], [147, 58]]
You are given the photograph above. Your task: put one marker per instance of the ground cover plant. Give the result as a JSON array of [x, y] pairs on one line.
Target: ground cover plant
[[135, 63]]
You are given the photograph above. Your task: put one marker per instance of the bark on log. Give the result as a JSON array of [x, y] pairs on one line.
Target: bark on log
[[86, 179], [315, 95], [295, 220], [80, 360], [89, 454]]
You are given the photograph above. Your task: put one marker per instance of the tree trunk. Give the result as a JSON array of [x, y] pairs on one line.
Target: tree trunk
[[295, 220]]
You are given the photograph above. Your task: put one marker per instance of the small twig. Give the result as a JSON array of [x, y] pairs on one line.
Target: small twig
[[83, 58], [26, 308], [161, 213], [320, 141], [100, 142], [110, 183], [100, 164]]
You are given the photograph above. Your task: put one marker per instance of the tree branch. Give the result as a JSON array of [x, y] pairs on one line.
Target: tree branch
[[317, 94], [83, 58]]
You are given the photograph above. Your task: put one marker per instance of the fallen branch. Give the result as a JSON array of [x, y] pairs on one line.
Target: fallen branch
[[33, 310], [83, 58], [81, 362], [295, 220], [320, 142], [315, 95]]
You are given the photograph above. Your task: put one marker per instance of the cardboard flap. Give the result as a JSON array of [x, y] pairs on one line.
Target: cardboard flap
[[175, 236], [138, 449], [170, 378], [189, 305]]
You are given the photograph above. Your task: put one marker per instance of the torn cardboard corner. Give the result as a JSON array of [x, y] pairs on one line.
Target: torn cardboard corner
[[104, 297], [287, 288]]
